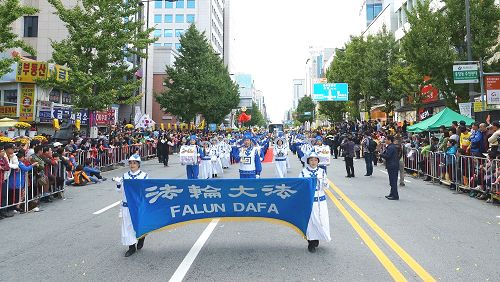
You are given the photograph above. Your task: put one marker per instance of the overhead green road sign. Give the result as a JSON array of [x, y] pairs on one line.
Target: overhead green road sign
[[465, 74]]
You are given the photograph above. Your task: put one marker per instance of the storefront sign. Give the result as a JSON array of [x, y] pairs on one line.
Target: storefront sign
[[27, 108], [106, 117], [8, 111], [492, 86], [429, 94], [28, 71], [46, 115]]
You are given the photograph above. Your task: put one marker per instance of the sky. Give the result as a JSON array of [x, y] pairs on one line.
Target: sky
[[270, 40]]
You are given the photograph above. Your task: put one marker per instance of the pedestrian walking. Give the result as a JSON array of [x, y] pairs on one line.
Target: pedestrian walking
[[348, 148], [369, 146], [391, 157]]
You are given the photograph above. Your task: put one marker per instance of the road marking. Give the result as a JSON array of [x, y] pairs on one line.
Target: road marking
[[183, 268], [381, 256], [419, 270], [107, 208], [398, 176]]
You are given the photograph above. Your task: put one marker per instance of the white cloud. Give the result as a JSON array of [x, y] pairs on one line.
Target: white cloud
[[271, 39]]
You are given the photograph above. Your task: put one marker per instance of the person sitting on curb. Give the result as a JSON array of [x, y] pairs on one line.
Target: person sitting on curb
[[92, 171]]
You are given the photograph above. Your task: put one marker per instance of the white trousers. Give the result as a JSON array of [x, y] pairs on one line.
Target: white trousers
[[281, 170], [128, 232]]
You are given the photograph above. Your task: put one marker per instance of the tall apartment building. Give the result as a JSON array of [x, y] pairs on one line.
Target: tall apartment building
[[315, 66], [299, 91], [172, 18]]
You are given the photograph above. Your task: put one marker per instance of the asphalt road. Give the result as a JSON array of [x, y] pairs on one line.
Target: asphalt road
[[430, 233]]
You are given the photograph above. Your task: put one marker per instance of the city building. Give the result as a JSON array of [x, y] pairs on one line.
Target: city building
[[299, 91], [170, 20]]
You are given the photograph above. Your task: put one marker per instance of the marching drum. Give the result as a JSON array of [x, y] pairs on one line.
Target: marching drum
[[324, 155], [188, 155]]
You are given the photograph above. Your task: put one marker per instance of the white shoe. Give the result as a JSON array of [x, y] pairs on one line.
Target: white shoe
[[36, 209]]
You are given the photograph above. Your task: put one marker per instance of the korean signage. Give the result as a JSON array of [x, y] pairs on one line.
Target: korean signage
[[157, 203], [8, 111], [28, 71], [492, 86], [465, 74], [331, 92], [47, 113], [61, 72], [105, 117], [27, 108]]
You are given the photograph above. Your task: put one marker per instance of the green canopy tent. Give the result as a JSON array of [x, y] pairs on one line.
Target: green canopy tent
[[444, 117]]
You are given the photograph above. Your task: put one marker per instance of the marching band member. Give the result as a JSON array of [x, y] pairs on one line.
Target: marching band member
[[215, 157], [321, 150], [193, 169], [280, 157], [249, 158], [128, 233], [206, 161], [318, 227], [225, 149]]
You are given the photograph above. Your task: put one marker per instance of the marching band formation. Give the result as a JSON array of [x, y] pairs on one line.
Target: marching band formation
[[208, 159]]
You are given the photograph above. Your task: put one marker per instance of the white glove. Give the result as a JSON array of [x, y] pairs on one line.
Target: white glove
[[257, 176]]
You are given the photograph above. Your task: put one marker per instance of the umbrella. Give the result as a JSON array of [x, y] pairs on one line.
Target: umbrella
[[7, 122]]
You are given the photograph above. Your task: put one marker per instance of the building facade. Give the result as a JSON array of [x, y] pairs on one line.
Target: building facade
[[171, 19]]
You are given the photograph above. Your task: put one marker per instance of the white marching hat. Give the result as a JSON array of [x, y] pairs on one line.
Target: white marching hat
[[136, 158], [313, 154]]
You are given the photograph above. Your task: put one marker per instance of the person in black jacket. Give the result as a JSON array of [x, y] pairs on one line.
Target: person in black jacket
[[391, 157], [163, 149]]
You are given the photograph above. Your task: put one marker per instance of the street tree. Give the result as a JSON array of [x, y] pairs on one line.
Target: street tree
[[332, 110], [406, 82], [380, 55], [198, 82], [347, 67], [10, 11], [103, 34], [426, 47], [305, 109]]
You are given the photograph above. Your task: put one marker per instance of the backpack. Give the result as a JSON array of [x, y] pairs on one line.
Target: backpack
[[372, 146]]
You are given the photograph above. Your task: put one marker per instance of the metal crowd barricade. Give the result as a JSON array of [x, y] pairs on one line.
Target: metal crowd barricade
[[35, 187], [411, 158], [474, 173]]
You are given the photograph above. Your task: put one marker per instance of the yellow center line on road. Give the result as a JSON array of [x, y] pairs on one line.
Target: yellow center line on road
[[412, 263], [384, 260]]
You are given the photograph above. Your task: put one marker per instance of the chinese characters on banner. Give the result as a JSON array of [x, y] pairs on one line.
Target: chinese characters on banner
[[28, 71], [27, 108], [157, 203]]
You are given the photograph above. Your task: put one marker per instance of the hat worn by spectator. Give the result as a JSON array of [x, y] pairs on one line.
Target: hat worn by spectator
[[57, 144]]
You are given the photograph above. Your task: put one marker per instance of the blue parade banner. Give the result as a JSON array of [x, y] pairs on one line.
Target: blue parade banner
[[159, 203]]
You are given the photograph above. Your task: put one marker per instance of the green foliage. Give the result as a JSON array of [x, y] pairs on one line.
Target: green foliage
[[306, 104], [484, 25], [381, 53], [332, 110], [199, 82], [406, 81], [427, 48], [99, 41], [347, 67], [10, 11]]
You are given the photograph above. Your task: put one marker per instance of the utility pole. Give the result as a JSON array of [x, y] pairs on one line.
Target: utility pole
[[469, 45]]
